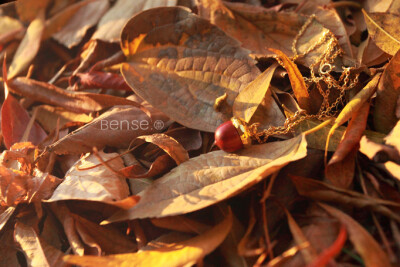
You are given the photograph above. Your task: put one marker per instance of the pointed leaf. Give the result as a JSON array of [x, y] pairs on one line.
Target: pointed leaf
[[250, 98], [212, 177], [181, 63]]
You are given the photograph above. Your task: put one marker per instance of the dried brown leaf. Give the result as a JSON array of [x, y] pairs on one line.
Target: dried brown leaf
[[117, 127], [382, 29], [72, 32], [185, 253], [260, 29], [325, 192], [181, 63], [364, 243], [250, 98], [111, 24], [73, 101], [210, 178], [95, 184], [171, 146], [349, 143], [37, 252], [297, 81], [28, 47]]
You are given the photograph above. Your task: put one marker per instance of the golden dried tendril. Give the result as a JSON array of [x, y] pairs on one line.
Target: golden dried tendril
[[323, 66]]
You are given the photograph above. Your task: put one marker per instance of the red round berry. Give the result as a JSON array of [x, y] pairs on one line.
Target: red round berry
[[227, 137]]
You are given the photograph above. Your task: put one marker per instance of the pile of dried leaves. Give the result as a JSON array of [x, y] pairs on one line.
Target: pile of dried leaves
[[108, 118]]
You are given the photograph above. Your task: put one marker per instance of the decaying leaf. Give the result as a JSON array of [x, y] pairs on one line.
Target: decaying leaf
[[38, 253], [212, 177], [382, 29], [75, 29], [181, 63], [296, 80], [171, 146], [185, 253], [340, 169], [111, 24], [250, 98], [118, 127], [260, 29], [29, 46], [96, 183]]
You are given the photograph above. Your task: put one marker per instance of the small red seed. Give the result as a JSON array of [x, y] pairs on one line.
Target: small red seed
[[227, 137]]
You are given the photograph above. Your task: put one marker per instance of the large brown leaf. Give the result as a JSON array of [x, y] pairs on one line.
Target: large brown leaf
[[260, 29], [181, 63], [212, 177]]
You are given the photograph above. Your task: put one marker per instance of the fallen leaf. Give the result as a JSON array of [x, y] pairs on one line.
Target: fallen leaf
[[184, 72], [309, 254], [111, 24], [260, 29], [17, 187], [47, 116], [250, 98], [185, 253], [28, 47], [37, 252], [354, 105], [172, 147], [326, 256], [363, 242], [320, 191], [94, 184], [211, 178], [296, 80], [10, 29], [14, 121], [28, 10], [99, 80], [328, 16], [117, 127], [160, 166], [75, 29], [381, 30], [79, 102], [349, 143], [387, 94], [317, 139]]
